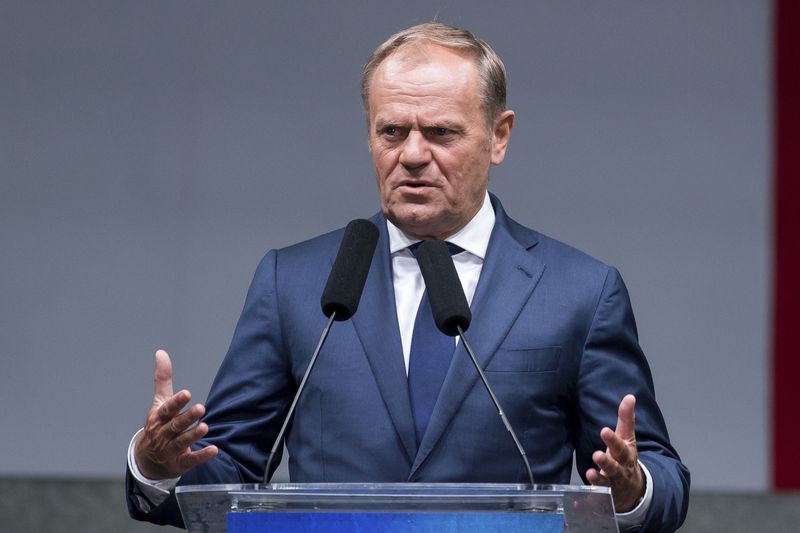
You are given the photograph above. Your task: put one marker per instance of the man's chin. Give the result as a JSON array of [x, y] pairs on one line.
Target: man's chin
[[420, 224]]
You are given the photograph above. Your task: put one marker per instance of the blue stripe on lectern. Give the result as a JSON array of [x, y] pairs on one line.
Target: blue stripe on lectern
[[393, 522]]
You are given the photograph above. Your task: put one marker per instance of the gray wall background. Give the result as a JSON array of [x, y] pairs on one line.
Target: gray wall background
[[151, 152]]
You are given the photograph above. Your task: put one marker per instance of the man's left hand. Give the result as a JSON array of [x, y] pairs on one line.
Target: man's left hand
[[618, 465]]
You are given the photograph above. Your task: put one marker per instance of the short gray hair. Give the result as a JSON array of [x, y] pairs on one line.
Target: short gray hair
[[491, 70]]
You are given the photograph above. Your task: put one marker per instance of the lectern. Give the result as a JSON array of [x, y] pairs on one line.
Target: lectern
[[395, 507]]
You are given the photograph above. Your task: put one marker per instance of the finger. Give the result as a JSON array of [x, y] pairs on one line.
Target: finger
[[184, 420], [172, 406], [162, 377], [191, 459], [609, 467], [190, 436], [596, 478], [616, 447], [626, 418]]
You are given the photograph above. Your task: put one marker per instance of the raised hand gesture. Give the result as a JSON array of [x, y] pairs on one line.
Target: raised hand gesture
[[618, 465], [163, 449]]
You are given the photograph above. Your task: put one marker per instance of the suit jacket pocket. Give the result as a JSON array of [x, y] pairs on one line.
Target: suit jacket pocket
[[525, 360]]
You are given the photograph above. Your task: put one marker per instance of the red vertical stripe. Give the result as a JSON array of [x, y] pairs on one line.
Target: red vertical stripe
[[786, 320]]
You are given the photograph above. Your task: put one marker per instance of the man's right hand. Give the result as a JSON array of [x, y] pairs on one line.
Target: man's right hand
[[163, 449]]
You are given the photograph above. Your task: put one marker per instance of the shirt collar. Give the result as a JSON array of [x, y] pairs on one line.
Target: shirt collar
[[474, 237]]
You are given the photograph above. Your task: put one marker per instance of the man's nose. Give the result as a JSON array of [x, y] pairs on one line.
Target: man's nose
[[415, 150]]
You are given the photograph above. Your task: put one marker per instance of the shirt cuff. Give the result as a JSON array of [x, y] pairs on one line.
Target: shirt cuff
[[151, 492], [636, 516]]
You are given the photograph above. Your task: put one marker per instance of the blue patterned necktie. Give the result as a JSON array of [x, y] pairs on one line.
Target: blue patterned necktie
[[429, 359]]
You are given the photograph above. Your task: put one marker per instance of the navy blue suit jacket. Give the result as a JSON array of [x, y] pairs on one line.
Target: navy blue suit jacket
[[552, 327]]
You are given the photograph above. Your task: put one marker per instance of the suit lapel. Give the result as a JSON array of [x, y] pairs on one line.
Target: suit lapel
[[509, 274], [376, 326]]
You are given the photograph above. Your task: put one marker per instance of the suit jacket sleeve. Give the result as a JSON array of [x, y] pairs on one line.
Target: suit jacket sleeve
[[613, 365], [247, 402]]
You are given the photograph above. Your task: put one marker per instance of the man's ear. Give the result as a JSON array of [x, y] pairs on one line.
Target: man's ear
[[501, 133]]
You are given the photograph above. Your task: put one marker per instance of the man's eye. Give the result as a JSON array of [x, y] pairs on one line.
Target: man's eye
[[390, 131], [441, 132]]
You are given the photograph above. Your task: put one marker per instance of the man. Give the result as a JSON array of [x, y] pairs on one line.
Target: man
[[553, 329]]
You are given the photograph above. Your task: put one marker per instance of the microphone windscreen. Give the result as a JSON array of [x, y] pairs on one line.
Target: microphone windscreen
[[349, 273], [448, 303]]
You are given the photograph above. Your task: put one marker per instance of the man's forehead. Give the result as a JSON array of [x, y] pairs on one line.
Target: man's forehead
[[424, 106], [425, 83]]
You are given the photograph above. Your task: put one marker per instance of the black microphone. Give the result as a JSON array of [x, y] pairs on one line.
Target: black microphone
[[339, 301], [452, 315], [448, 303], [349, 272]]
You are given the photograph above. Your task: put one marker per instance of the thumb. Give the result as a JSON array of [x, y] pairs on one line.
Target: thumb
[[162, 377], [626, 418]]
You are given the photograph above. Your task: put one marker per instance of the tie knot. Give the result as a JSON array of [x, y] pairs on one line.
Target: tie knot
[[452, 248]]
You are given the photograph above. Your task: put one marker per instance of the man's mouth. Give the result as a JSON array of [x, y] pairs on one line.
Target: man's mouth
[[415, 184]]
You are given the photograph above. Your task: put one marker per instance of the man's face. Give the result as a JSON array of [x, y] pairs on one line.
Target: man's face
[[430, 143]]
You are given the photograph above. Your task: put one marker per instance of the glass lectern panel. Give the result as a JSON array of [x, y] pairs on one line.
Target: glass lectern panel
[[393, 507]]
